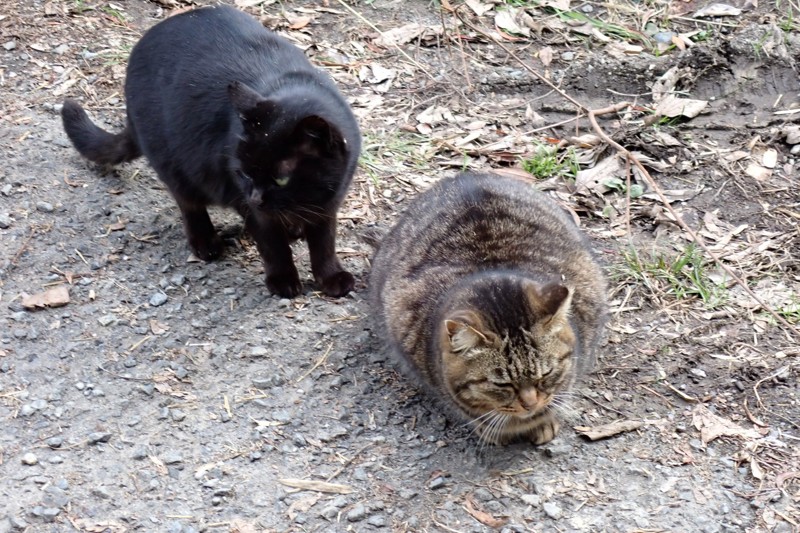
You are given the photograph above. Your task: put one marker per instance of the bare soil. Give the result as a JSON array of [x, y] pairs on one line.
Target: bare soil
[[176, 395]]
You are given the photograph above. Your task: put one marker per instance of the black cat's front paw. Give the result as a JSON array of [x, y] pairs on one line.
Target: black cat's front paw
[[284, 285], [208, 248], [338, 284]]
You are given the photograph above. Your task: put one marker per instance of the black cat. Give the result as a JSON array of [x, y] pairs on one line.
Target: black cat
[[229, 113]]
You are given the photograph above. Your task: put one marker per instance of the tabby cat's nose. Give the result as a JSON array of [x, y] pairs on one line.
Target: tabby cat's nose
[[529, 398]]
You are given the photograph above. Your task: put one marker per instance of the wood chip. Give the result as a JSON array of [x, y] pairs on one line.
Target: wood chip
[[481, 516], [609, 430], [55, 297], [316, 486]]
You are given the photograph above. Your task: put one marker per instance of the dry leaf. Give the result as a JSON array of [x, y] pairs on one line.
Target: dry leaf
[[756, 171], [712, 426], [481, 516], [506, 20], [546, 55], [297, 22], [609, 430], [718, 10], [317, 486], [479, 8], [240, 526], [672, 106], [405, 34], [55, 297], [770, 158], [591, 179]]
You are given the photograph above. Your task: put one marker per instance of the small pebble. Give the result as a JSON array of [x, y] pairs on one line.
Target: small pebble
[[29, 459], [171, 458], [377, 520], [532, 499], [698, 372], [258, 351], [5, 221], [9, 45], [158, 299], [568, 56], [105, 320], [552, 510], [437, 483], [262, 383], [357, 513], [99, 436], [177, 415], [54, 442], [45, 207]]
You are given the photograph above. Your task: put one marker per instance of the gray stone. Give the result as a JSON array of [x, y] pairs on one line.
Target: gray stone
[[357, 513], [171, 458], [17, 522], [330, 512], [62, 484], [5, 221], [106, 320], [102, 493], [258, 351], [377, 520], [437, 483], [99, 436], [45, 207], [552, 510], [262, 383], [177, 415], [158, 299], [532, 499], [698, 372], [55, 497], [10, 45]]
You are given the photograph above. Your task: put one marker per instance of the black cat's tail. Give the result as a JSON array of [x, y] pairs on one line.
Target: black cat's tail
[[94, 143]]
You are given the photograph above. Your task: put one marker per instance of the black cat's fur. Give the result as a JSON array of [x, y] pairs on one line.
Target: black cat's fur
[[229, 113]]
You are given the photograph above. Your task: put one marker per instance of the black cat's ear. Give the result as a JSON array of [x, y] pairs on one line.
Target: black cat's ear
[[465, 331], [551, 301], [316, 131], [251, 106]]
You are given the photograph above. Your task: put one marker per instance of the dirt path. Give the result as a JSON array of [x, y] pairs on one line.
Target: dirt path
[[179, 396]]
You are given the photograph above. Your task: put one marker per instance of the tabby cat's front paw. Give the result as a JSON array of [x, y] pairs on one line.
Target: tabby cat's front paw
[[338, 284], [545, 431], [284, 285]]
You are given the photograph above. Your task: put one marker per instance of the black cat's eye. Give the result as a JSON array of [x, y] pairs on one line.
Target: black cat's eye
[[282, 181]]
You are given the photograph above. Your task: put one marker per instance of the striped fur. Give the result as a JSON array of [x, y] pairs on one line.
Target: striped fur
[[491, 296]]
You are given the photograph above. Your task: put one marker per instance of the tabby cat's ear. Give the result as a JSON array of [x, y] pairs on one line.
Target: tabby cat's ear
[[552, 302], [251, 106], [319, 132], [464, 331]]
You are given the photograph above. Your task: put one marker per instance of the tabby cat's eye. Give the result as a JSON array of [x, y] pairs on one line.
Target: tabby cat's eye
[[282, 181]]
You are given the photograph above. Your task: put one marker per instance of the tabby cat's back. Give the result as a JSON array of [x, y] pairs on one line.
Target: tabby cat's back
[[474, 261]]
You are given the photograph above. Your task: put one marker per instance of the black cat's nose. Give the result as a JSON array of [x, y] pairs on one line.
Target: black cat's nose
[[256, 198]]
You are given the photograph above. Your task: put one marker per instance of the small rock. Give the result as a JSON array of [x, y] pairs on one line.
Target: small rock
[[99, 436], [437, 483], [5, 221], [171, 458], [177, 415], [698, 372], [330, 512], [29, 459], [61, 49], [54, 442], [532, 499], [158, 299], [10, 45], [62, 484], [45, 207], [552, 510], [139, 454], [357, 513], [258, 351], [557, 450], [105, 320], [178, 280], [50, 514], [17, 522], [568, 56], [377, 520], [262, 383]]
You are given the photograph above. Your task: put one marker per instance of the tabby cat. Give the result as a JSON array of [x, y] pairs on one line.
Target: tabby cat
[[229, 113], [490, 294]]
